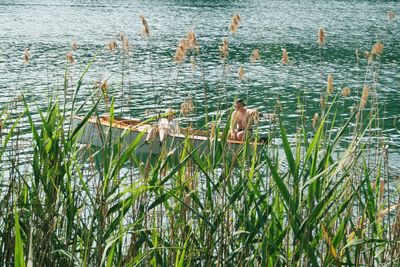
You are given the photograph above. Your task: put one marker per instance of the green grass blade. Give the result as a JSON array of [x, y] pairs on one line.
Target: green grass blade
[[19, 246]]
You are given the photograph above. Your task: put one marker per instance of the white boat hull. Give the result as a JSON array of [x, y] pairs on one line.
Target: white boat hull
[[96, 131]]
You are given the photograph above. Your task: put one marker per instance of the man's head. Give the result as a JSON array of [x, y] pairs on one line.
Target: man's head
[[239, 103], [170, 114]]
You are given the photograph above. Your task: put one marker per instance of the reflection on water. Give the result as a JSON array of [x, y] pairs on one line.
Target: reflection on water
[[148, 79]]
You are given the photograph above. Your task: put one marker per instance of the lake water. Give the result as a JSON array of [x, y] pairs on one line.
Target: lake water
[[148, 79]]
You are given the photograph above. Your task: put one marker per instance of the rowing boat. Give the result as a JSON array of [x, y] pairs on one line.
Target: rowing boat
[[97, 129]]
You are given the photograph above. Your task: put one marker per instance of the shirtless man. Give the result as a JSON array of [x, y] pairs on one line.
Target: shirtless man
[[242, 120]]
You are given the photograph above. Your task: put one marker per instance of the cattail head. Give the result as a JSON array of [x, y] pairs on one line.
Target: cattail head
[[346, 91], [364, 97], [27, 56], [329, 86], [235, 22], [377, 49], [187, 107], [390, 15], [285, 57], [74, 45], [321, 36], [241, 73], [146, 31], [112, 45], [224, 48], [70, 57], [255, 55], [315, 120]]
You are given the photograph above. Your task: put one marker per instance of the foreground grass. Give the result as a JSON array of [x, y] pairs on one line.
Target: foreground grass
[[317, 201]]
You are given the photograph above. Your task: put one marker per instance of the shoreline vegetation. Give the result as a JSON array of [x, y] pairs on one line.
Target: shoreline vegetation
[[324, 197]]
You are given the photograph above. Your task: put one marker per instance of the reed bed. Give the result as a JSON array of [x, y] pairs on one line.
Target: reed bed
[[324, 197]]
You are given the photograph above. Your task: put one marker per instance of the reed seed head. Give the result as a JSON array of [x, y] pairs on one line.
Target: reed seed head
[[235, 23], [187, 107], [285, 56], [181, 50], [125, 43], [104, 88], [104, 85], [346, 91], [236, 19], [329, 86], [377, 49], [74, 45], [315, 120], [390, 15], [255, 55], [70, 57], [224, 48], [146, 31], [368, 56], [364, 97], [279, 104], [322, 102], [321, 36], [241, 73], [27, 56], [233, 28], [112, 45], [192, 40]]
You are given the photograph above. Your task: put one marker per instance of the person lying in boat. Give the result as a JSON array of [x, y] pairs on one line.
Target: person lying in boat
[[166, 126], [242, 120]]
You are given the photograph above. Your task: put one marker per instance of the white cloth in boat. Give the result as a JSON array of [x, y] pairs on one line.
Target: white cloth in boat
[[164, 128], [170, 125]]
